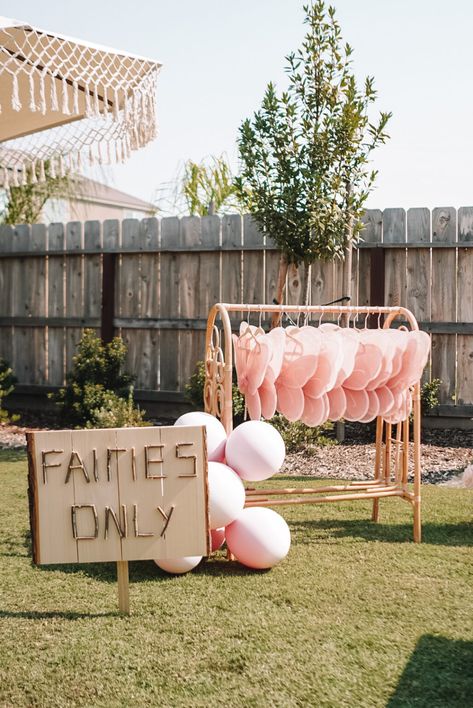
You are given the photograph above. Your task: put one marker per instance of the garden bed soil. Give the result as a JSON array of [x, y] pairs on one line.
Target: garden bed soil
[[445, 453]]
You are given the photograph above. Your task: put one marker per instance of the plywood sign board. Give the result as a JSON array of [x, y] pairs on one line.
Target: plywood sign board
[[118, 494]]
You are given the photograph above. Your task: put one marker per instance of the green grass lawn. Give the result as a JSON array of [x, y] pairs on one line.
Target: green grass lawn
[[357, 615]]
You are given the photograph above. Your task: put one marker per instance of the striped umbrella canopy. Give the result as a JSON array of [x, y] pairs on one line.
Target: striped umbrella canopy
[[65, 102]]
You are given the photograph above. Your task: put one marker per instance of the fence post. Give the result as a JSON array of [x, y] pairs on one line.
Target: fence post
[[108, 297]]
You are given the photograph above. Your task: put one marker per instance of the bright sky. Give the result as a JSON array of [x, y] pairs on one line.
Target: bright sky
[[219, 55]]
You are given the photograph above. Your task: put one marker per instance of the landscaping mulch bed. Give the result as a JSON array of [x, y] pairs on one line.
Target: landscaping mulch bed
[[445, 453]]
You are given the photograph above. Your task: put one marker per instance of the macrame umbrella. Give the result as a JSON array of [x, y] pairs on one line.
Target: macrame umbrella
[[65, 102]]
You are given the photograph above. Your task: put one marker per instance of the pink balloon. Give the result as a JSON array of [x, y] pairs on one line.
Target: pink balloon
[[259, 538], [255, 450], [178, 565], [226, 495], [216, 435], [217, 537]]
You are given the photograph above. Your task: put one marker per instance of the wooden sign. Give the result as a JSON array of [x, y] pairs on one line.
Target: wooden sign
[[118, 494]]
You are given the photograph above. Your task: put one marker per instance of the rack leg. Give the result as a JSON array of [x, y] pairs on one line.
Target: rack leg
[[417, 465], [377, 464], [417, 522]]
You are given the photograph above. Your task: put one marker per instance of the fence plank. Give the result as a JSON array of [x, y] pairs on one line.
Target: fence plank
[[169, 299], [418, 264], [372, 233], [190, 292], [37, 273], [394, 231], [6, 292], [93, 269], [74, 286], [418, 269], [231, 269], [444, 301], [21, 305], [56, 305], [253, 263], [322, 286], [149, 303], [129, 291], [464, 390]]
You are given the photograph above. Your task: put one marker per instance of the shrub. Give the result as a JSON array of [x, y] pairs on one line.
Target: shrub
[[7, 384], [429, 395], [298, 436], [98, 394]]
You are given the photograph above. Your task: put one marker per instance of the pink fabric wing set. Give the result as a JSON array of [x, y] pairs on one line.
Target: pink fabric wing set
[[315, 374]]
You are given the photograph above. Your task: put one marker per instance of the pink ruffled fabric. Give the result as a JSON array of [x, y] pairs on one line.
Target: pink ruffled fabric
[[315, 374]]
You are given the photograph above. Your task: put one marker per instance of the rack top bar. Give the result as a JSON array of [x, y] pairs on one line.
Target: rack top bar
[[369, 309], [391, 312]]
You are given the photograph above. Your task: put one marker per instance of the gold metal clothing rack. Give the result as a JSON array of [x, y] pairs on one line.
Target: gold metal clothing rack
[[394, 449]]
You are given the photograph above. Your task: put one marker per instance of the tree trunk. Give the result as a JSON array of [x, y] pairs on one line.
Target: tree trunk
[[308, 285], [279, 296]]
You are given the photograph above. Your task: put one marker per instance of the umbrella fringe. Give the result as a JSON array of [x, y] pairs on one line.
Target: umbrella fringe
[[65, 98], [118, 105], [53, 94], [32, 96], [15, 94]]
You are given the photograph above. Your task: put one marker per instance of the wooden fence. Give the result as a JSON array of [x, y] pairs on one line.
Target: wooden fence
[[153, 282]]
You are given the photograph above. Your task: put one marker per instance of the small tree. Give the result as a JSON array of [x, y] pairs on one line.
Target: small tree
[[208, 188], [98, 393], [305, 172]]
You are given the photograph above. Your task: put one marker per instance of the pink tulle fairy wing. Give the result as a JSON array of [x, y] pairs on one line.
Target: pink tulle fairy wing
[[256, 366], [268, 397], [315, 411], [373, 408], [297, 372], [337, 403], [350, 347], [253, 405], [290, 402], [328, 366], [277, 342], [386, 400], [241, 356], [408, 368], [357, 404], [423, 350], [367, 366]]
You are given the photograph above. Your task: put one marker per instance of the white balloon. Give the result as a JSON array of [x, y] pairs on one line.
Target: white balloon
[[178, 565], [226, 495], [216, 435], [259, 538], [255, 450]]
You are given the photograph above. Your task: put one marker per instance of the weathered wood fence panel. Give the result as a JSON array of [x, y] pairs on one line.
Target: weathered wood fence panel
[[153, 282]]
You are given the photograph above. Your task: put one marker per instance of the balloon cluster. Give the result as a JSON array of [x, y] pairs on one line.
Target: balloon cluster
[[258, 537], [315, 374]]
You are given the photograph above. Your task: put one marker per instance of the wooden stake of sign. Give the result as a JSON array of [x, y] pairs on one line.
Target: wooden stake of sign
[[118, 495], [123, 587]]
